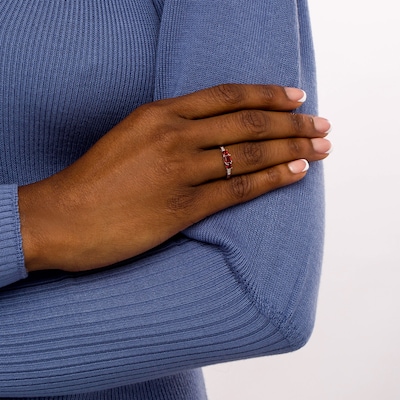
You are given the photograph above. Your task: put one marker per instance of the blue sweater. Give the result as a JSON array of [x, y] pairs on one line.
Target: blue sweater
[[242, 283]]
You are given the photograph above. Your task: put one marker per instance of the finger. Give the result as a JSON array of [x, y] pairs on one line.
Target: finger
[[249, 125], [254, 156], [222, 194], [227, 98], [250, 157]]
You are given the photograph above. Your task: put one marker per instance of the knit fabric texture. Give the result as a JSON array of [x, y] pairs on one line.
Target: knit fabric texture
[[242, 283]]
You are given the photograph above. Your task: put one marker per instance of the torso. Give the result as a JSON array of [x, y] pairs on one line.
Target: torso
[[70, 70]]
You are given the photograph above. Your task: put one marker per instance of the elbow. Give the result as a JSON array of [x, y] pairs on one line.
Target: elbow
[[302, 332], [288, 307], [285, 334], [296, 321]]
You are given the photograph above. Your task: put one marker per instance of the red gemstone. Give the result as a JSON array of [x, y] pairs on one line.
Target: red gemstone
[[227, 158]]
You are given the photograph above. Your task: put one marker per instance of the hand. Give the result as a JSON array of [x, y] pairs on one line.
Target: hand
[[161, 170]]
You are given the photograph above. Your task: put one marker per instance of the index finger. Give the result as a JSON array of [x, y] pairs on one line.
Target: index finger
[[227, 98]]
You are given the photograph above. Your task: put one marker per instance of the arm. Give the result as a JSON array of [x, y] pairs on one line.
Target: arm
[[200, 299], [274, 244]]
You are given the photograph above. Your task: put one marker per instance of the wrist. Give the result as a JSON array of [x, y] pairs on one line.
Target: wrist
[[39, 229]]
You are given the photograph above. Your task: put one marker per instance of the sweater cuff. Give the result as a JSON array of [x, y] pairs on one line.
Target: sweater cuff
[[12, 266]]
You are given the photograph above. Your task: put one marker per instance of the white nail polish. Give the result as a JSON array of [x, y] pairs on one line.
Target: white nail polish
[[304, 98], [299, 166], [330, 128]]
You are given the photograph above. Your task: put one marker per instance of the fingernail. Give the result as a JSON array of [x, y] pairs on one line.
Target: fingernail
[[322, 125], [295, 94], [321, 145], [299, 166]]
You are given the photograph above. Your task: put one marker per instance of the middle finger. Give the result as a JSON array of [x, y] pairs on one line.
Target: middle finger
[[254, 125]]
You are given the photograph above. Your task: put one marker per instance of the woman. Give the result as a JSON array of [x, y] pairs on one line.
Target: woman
[[108, 198]]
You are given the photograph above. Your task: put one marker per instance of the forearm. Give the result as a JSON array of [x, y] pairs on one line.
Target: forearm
[[186, 304]]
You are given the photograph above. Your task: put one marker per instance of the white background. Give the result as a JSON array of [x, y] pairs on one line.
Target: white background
[[354, 352]]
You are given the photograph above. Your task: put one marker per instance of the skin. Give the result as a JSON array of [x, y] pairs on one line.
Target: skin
[[160, 170]]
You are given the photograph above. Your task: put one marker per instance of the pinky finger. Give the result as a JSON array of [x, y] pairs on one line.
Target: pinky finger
[[222, 194]]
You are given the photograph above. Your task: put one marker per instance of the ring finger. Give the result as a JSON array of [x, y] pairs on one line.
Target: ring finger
[[250, 157]]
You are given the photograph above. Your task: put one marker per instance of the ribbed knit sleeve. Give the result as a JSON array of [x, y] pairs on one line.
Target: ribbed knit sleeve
[[12, 266], [272, 245], [242, 283]]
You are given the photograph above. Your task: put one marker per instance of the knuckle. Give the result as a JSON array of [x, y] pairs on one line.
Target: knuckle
[[295, 147], [153, 123], [298, 123], [252, 153], [174, 167], [253, 121], [269, 94], [156, 113], [145, 108], [151, 110], [168, 167], [228, 93], [164, 137], [240, 187], [180, 202], [273, 177], [170, 137]]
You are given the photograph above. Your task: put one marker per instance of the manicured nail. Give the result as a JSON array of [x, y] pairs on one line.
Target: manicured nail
[[295, 94], [299, 166], [322, 125], [321, 145]]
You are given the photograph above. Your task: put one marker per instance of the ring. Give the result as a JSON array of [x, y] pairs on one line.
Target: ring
[[227, 159]]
